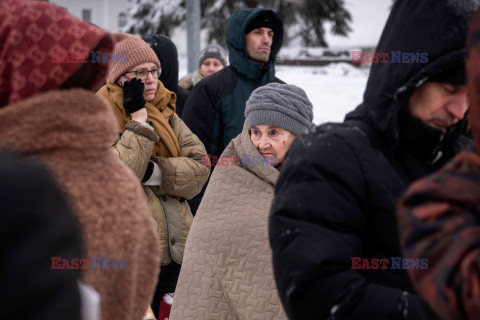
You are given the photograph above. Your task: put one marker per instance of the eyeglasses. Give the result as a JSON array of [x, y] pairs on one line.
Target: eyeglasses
[[142, 74]]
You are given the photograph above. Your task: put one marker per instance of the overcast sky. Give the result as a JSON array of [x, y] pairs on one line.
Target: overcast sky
[[368, 19]]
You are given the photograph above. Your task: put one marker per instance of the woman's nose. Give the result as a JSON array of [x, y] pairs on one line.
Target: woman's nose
[[264, 143], [149, 78]]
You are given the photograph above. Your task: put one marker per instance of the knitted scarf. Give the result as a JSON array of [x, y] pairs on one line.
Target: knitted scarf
[[159, 110]]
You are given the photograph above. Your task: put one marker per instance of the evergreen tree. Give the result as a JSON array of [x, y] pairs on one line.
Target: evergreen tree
[[155, 16], [301, 18], [316, 13]]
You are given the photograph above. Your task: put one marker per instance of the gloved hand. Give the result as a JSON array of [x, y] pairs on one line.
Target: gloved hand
[[148, 172], [133, 95]]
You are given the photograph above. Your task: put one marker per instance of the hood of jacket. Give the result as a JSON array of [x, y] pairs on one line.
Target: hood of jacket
[[473, 77], [167, 54], [42, 46], [431, 29], [235, 36]]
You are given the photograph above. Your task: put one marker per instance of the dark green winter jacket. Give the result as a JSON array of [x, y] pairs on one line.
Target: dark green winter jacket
[[215, 108]]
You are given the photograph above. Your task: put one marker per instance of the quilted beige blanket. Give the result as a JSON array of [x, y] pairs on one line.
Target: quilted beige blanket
[[227, 266]]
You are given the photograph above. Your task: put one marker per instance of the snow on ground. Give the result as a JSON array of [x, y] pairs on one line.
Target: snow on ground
[[337, 88], [334, 89]]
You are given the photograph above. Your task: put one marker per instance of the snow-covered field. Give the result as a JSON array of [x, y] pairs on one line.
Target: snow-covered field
[[334, 89]]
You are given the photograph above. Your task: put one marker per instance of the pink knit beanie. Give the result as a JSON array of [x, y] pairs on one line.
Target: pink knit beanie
[[137, 52]]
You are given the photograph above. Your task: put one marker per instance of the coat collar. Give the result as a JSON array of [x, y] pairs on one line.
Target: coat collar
[[73, 120], [244, 149]]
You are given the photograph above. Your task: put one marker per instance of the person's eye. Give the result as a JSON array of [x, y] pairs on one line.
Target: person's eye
[[142, 73], [448, 88], [270, 34], [274, 133]]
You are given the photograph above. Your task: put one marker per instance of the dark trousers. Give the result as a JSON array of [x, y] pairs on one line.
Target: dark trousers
[[167, 281]]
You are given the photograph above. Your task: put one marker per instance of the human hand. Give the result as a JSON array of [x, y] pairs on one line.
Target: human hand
[[133, 96], [140, 115]]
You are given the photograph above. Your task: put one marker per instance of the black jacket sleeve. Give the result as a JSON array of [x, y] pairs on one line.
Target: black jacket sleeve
[[199, 114], [182, 96], [35, 225], [316, 226]]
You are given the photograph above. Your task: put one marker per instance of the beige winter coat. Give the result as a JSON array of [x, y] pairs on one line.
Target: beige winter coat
[[190, 80], [182, 178], [227, 269], [71, 131]]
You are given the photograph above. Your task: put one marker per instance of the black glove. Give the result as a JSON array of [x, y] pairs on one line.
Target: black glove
[[133, 95], [148, 172]]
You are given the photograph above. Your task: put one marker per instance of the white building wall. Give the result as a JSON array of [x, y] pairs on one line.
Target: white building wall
[[104, 13]]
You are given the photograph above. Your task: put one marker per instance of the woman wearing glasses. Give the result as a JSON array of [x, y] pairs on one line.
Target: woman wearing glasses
[[160, 149]]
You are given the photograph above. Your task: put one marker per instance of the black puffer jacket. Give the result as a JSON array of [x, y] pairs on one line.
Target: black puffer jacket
[[337, 191]]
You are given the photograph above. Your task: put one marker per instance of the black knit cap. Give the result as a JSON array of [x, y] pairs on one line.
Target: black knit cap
[[454, 75], [263, 20]]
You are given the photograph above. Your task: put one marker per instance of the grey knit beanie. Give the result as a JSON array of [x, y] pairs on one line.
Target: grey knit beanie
[[213, 51], [280, 105]]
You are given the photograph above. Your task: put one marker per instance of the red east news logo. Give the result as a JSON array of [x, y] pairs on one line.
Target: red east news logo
[[81, 57], [384, 263], [93, 263], [389, 57], [242, 160]]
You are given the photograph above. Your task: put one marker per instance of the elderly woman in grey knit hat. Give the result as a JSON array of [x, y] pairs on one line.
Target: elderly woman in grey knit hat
[[227, 268], [276, 114]]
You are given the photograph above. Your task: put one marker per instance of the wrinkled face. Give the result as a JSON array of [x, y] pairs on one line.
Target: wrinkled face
[[150, 82], [258, 43], [271, 142], [210, 66], [438, 105]]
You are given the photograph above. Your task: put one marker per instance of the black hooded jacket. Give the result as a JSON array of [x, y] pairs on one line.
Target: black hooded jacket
[[215, 108], [166, 52], [338, 187]]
